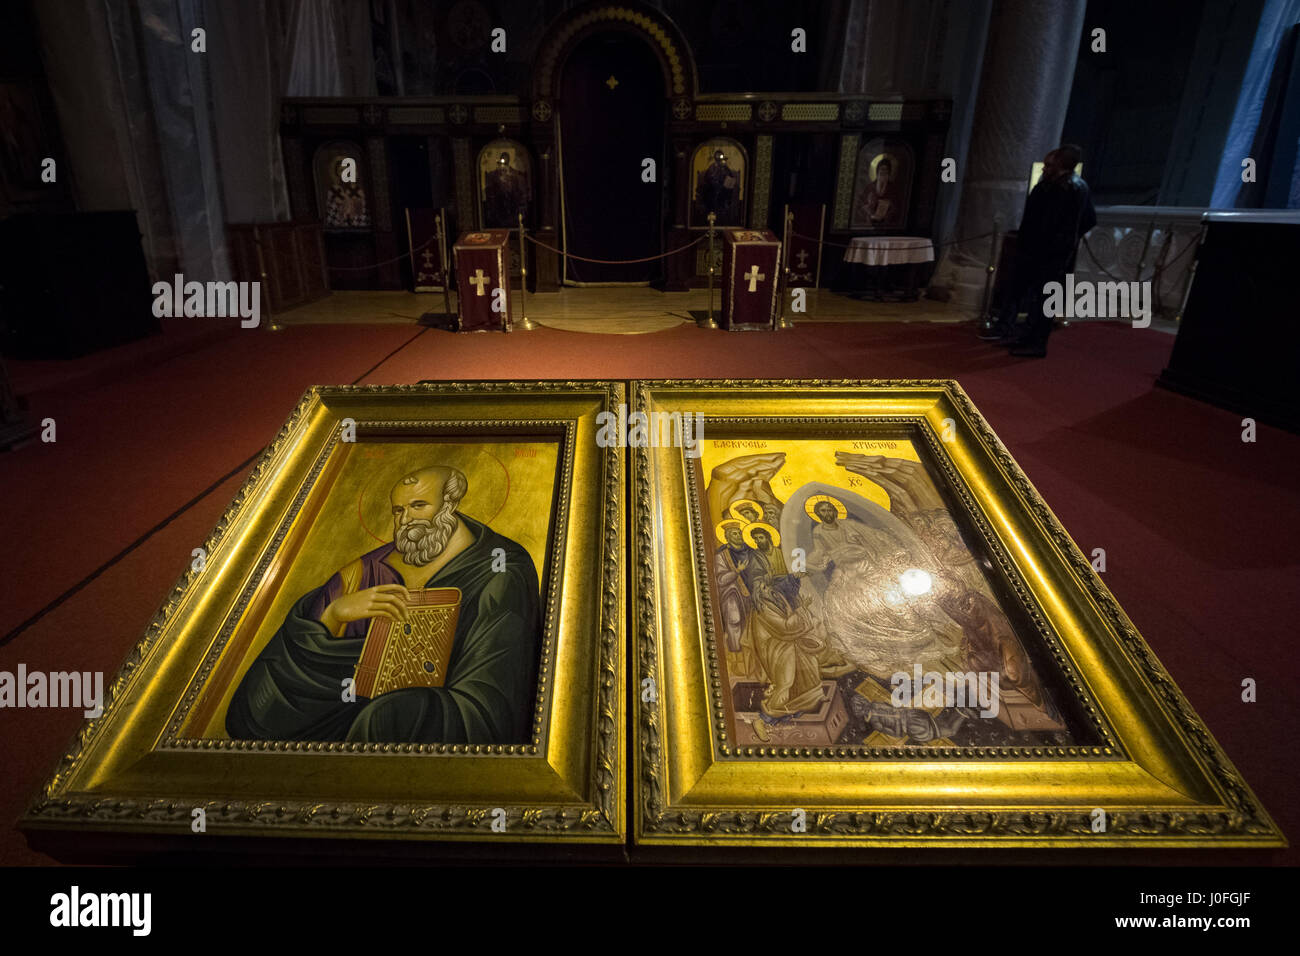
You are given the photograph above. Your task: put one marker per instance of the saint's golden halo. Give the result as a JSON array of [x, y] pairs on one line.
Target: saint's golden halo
[[840, 511], [734, 510], [720, 529], [875, 163], [748, 535]]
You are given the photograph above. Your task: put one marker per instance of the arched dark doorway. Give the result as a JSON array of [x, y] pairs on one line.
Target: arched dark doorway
[[612, 120]]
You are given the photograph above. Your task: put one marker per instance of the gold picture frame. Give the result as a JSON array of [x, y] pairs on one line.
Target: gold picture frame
[[1141, 769], [155, 758]]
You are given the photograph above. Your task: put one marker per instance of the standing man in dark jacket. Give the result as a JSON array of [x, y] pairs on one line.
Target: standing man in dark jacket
[[1057, 214]]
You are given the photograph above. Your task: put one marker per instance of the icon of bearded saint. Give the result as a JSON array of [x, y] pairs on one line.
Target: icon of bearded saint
[[294, 690]]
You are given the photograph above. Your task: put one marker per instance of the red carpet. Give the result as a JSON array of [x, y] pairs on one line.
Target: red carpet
[[1197, 526]]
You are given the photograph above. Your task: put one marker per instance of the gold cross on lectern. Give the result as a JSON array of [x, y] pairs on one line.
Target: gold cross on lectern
[[478, 281], [754, 277], [611, 82]]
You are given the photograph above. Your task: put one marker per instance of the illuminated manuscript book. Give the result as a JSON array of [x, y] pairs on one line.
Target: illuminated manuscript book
[[397, 656]]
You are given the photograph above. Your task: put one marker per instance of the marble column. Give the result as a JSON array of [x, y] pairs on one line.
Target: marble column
[[1024, 91]]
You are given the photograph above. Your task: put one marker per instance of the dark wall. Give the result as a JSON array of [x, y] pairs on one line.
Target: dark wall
[[28, 121], [739, 45]]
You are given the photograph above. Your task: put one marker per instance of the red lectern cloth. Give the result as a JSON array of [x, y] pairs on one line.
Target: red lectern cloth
[[751, 260], [481, 263]]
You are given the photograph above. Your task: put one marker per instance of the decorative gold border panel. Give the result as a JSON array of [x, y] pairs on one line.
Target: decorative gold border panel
[[762, 182], [658, 30], [844, 180], [810, 112], [466, 176], [716, 112]]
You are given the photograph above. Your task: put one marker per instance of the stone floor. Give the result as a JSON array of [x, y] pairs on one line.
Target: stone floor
[[626, 310], [623, 310]]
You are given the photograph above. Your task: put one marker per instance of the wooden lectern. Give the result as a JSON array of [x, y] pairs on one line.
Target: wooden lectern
[[751, 260], [483, 282]]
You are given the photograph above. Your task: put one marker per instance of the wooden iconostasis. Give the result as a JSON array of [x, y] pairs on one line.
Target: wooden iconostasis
[[610, 150]]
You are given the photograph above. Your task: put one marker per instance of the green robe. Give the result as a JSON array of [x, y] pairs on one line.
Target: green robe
[[294, 690]]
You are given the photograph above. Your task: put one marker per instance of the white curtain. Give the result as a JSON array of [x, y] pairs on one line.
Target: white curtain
[[328, 49], [313, 50], [245, 44]]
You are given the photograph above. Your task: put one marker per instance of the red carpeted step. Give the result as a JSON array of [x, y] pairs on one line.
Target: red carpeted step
[[130, 453]]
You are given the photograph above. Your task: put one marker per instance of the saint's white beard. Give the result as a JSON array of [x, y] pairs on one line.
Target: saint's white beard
[[421, 540]]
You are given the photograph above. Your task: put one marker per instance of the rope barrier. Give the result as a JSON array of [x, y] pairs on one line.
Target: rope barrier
[[386, 262], [671, 252], [617, 262]]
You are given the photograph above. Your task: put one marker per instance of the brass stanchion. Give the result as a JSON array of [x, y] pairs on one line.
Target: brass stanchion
[[525, 324], [783, 320], [708, 322], [440, 228], [271, 324], [987, 320]]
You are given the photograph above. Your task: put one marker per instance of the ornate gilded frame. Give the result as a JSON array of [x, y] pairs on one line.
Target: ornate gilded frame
[[132, 770], [1158, 774]]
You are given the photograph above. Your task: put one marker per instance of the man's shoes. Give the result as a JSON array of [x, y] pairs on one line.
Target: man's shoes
[[993, 333], [1029, 351]]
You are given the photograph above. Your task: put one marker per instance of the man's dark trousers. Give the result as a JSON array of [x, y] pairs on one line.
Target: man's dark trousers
[[1039, 324], [1030, 276]]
